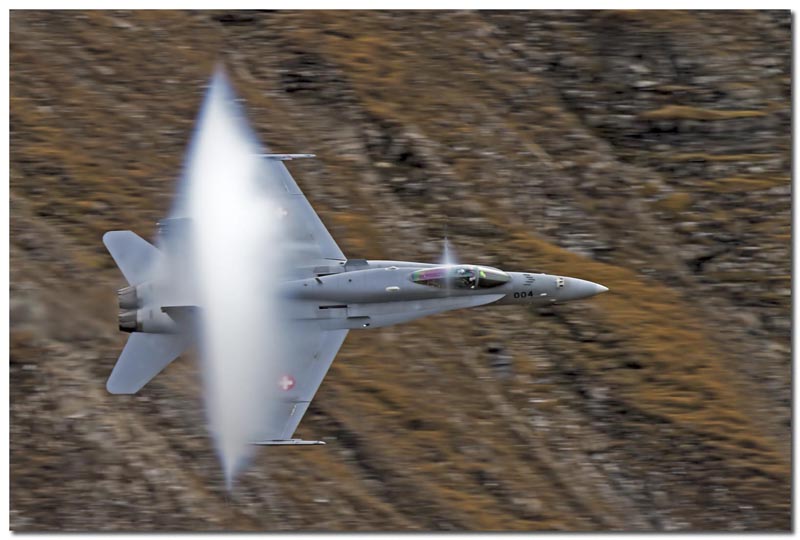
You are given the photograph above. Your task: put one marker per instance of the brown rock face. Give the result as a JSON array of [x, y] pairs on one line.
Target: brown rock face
[[647, 151]]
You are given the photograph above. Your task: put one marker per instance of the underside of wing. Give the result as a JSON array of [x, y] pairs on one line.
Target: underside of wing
[[312, 244], [308, 243], [313, 351]]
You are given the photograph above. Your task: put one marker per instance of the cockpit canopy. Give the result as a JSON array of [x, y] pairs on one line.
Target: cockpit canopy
[[460, 276]]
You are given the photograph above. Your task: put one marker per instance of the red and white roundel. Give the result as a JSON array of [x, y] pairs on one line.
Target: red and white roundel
[[286, 383]]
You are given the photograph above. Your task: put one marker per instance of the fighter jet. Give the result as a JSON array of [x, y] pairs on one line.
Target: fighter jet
[[210, 274]]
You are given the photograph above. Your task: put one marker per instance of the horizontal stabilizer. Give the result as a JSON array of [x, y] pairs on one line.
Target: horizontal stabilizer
[[287, 442], [143, 357], [132, 253]]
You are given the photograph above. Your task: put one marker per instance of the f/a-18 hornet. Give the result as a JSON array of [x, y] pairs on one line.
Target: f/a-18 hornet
[[285, 298]]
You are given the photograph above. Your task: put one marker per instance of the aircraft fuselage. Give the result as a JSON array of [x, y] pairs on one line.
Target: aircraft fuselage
[[394, 283], [381, 293]]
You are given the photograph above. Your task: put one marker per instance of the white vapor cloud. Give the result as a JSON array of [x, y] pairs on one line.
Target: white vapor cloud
[[235, 263]]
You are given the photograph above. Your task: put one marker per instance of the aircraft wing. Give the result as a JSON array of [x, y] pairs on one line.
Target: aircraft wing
[[296, 386], [310, 242]]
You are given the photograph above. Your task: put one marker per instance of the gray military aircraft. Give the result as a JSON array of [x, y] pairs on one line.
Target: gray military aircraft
[[321, 294]]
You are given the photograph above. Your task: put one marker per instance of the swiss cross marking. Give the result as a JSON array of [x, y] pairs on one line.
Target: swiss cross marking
[[286, 383]]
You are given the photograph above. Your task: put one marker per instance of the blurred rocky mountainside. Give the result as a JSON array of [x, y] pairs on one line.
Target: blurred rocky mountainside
[[648, 151]]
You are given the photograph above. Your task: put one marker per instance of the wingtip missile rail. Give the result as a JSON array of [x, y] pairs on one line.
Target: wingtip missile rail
[[287, 157]]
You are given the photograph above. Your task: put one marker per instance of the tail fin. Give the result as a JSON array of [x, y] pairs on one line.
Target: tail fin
[[143, 357], [133, 255]]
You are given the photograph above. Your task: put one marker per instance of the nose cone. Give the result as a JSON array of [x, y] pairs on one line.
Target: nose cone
[[576, 289]]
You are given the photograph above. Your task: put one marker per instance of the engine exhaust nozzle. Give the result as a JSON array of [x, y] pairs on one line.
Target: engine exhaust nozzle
[[127, 321], [127, 297]]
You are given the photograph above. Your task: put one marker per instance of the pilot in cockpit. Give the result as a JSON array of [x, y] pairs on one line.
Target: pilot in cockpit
[[467, 278]]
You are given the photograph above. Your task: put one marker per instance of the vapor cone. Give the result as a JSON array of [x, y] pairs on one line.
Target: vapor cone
[[448, 257], [236, 266]]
